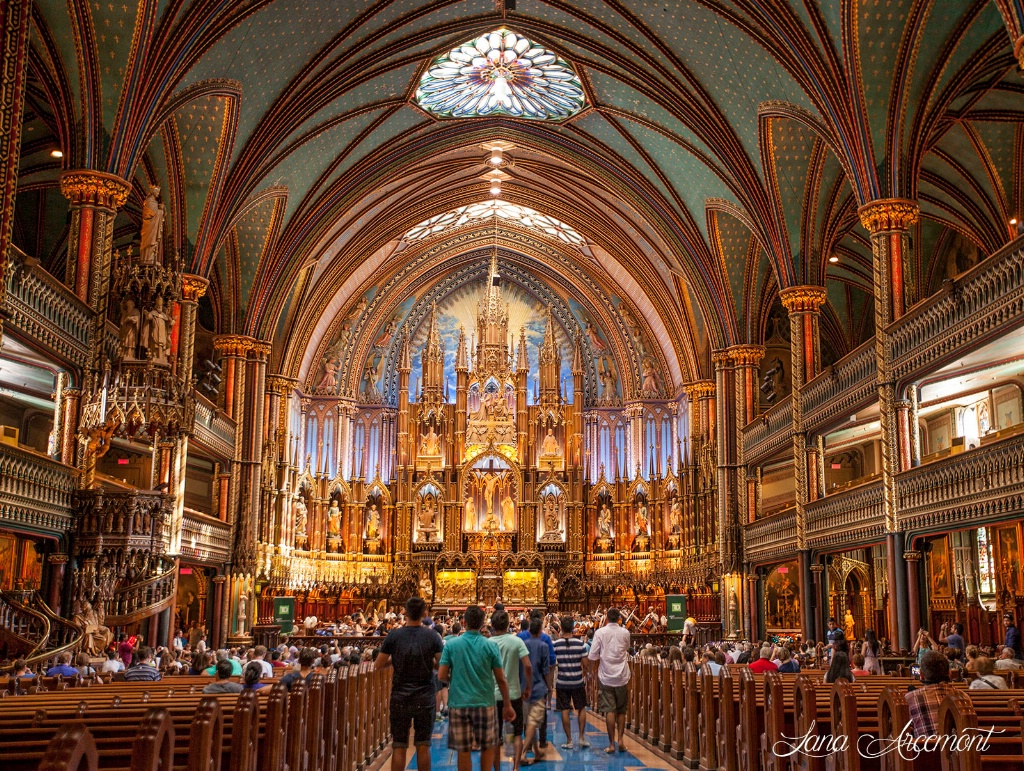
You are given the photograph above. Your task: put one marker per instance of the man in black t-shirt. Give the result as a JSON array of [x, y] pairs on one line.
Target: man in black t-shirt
[[413, 650]]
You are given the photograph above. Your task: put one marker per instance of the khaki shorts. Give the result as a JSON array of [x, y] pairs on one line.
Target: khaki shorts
[[537, 715], [613, 699]]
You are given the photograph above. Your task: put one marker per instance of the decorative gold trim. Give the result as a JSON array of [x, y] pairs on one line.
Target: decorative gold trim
[[1018, 52], [701, 389], [233, 345], [912, 556], [261, 349], [282, 384], [746, 355], [94, 187], [888, 214], [193, 287], [57, 559], [803, 299]]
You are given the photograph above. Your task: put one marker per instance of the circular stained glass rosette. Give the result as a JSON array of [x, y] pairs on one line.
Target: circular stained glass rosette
[[524, 215], [501, 74]]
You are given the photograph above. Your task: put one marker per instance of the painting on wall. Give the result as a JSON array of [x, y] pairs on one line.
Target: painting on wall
[[940, 433], [1006, 406], [1008, 565], [939, 568], [782, 598], [8, 560]]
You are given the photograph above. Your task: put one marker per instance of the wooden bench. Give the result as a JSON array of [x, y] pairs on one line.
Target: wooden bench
[[964, 713]]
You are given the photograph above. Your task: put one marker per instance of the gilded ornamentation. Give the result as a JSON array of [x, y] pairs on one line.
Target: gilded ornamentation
[[887, 214], [94, 187], [803, 299], [193, 287], [233, 345]]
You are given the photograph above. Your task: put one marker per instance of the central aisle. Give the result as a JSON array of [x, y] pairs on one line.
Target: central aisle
[[637, 758]]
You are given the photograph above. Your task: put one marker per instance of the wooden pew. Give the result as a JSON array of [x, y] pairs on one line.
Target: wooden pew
[[728, 716], [964, 712]]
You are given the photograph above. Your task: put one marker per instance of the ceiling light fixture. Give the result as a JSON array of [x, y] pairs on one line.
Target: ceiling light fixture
[[495, 190], [56, 153], [496, 156], [1013, 220], [833, 259]]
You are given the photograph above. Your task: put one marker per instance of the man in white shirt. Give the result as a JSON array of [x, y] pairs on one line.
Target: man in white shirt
[[611, 649], [1006, 661], [259, 655], [112, 664]]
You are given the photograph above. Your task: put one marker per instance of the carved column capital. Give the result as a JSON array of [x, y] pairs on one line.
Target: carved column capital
[[817, 568], [700, 389], [887, 214], [57, 559], [746, 355], [281, 383], [193, 287], [233, 345], [912, 556], [261, 349], [98, 188], [803, 299]]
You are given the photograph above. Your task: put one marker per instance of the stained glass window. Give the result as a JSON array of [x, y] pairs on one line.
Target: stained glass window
[[501, 74], [524, 215]]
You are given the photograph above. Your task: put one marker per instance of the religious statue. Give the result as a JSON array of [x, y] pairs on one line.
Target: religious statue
[[430, 444], [490, 482], [150, 252], [643, 525], [386, 334], [97, 637], [596, 342], [549, 447], [128, 334], [243, 612], [675, 518], [551, 524], [607, 377], [301, 516], [649, 387], [734, 617], [329, 381], [508, 513], [373, 523], [426, 589], [334, 519], [604, 522], [470, 515], [848, 625], [426, 518], [155, 334], [552, 588]]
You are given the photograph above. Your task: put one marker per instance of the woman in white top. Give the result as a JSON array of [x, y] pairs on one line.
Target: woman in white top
[[986, 680]]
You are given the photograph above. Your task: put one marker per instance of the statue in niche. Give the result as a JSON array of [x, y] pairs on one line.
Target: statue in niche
[[428, 512], [552, 588], [675, 518], [329, 381], [508, 513], [155, 336], [426, 589], [608, 381], [604, 522], [373, 523], [301, 516], [151, 237], [643, 525], [551, 524], [470, 515], [734, 617], [490, 482], [649, 388], [334, 519], [549, 447], [128, 334], [849, 626], [243, 612], [97, 636], [430, 443], [596, 342]]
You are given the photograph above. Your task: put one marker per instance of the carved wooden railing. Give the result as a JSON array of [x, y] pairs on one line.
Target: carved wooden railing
[[843, 516], [45, 310], [122, 519], [45, 634], [773, 536], [848, 385], [769, 433], [205, 538], [141, 600], [986, 483], [213, 428], [984, 303], [35, 491]]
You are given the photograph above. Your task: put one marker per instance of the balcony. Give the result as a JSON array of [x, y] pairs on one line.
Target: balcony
[[842, 518], [770, 538], [35, 491], [213, 429], [848, 385], [205, 539], [42, 309], [770, 433], [985, 483]]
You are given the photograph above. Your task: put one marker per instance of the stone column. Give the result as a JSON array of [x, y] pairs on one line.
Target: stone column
[[192, 288], [233, 349], [804, 306], [57, 563], [817, 569], [889, 222], [70, 399], [912, 559], [216, 638], [15, 15], [250, 418]]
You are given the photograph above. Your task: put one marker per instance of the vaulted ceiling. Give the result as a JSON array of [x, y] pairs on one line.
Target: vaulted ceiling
[[724, 152]]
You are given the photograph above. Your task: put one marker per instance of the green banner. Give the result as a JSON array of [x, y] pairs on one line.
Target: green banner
[[676, 605], [284, 612]]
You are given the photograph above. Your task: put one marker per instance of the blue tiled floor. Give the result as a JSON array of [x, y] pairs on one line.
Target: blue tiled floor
[[636, 758]]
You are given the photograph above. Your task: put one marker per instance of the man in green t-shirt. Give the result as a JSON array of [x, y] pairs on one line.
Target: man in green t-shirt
[[513, 654], [471, 664]]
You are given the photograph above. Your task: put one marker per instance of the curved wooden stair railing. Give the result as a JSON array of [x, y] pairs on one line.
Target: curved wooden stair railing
[[141, 600], [51, 636]]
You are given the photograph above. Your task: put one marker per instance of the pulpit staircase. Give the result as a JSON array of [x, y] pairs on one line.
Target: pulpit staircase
[[30, 630]]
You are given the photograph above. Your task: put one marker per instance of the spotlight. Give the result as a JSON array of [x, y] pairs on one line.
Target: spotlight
[[56, 153], [496, 156], [833, 259], [495, 189], [1013, 220]]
